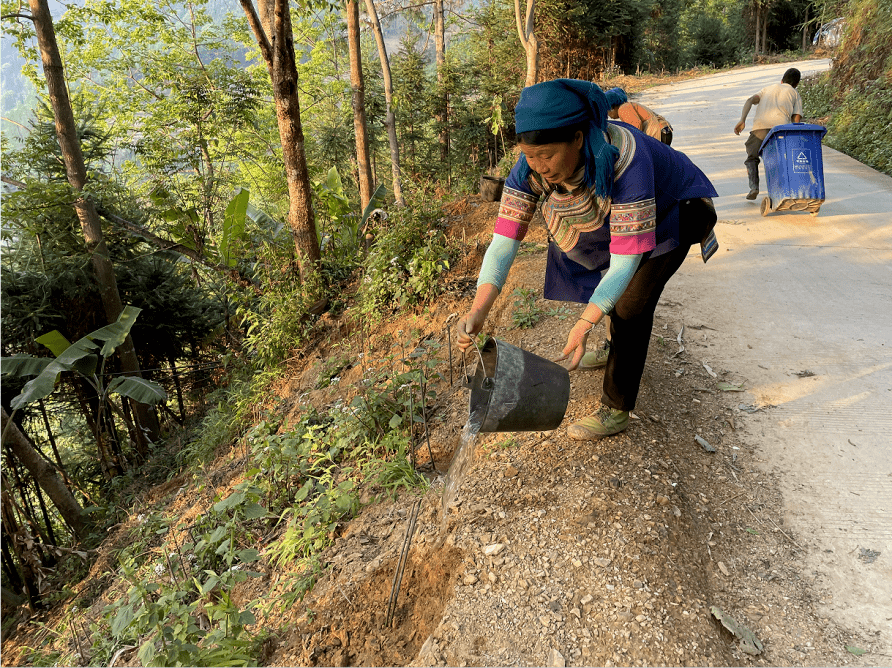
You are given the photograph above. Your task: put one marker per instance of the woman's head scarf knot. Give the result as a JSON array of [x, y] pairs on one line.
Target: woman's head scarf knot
[[563, 102]]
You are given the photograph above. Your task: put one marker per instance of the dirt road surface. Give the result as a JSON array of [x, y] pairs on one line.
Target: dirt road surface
[[803, 306]]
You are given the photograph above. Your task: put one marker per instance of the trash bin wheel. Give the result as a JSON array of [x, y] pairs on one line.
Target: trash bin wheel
[[766, 206]]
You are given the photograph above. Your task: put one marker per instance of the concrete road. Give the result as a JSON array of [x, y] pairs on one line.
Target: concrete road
[[801, 307]]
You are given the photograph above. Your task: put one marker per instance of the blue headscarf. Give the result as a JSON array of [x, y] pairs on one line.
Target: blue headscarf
[[616, 97], [563, 102]]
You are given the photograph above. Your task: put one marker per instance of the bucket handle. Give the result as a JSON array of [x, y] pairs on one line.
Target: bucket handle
[[464, 363]]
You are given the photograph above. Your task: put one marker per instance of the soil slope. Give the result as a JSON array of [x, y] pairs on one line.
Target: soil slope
[[557, 552]]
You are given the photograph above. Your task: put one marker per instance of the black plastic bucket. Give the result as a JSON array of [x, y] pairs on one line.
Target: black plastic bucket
[[515, 390], [491, 188]]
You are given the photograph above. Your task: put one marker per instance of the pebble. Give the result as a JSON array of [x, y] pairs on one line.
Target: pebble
[[470, 579], [585, 600], [555, 659], [602, 562], [510, 472], [493, 549]]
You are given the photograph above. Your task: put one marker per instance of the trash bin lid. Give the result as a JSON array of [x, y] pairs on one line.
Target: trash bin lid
[[794, 128]]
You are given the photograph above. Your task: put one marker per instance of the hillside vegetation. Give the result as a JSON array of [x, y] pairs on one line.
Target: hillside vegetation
[[854, 98]]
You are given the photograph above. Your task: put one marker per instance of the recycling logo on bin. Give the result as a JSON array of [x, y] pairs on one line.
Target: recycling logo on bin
[[802, 160]]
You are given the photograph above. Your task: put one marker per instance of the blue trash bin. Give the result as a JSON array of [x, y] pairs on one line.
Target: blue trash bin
[[794, 168]]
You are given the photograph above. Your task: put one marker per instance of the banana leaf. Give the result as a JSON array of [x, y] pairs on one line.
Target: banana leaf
[[138, 389], [23, 366], [44, 384]]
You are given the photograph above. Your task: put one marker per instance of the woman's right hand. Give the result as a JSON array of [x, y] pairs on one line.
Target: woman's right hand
[[469, 327]]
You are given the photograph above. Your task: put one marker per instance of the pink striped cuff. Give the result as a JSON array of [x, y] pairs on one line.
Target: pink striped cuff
[[512, 229], [634, 244]]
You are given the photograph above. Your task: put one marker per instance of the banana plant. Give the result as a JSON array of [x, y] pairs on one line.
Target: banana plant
[[86, 358]]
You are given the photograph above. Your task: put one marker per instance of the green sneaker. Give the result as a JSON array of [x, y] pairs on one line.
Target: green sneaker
[[606, 422], [596, 358]]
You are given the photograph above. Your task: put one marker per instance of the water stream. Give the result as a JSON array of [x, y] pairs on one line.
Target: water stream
[[463, 458]]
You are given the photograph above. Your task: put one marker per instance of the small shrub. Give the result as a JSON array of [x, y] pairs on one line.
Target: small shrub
[[526, 314], [405, 263]]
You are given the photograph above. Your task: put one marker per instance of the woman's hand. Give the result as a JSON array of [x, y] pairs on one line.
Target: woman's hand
[[576, 341], [469, 327]]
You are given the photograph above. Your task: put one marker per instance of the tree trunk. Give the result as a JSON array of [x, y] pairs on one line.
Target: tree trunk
[[757, 13], [526, 29], [357, 85], [28, 564], [45, 476], [765, 31], [390, 118], [46, 517], [52, 439], [9, 567], [77, 177], [443, 99], [25, 508], [176, 383], [277, 47], [805, 30]]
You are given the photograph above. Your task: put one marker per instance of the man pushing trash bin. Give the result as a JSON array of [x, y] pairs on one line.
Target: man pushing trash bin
[[778, 104]]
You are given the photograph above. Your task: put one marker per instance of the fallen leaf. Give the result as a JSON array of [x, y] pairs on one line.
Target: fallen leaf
[[709, 370], [857, 651], [724, 569], [703, 442], [868, 556], [728, 387], [749, 643], [680, 344]]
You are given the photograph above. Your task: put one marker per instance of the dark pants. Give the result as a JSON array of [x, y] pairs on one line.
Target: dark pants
[[631, 320], [753, 143]]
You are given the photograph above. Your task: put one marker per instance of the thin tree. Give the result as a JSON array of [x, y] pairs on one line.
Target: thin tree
[[17, 537], [526, 29], [443, 96], [357, 86], [45, 476], [66, 132], [276, 41], [389, 118]]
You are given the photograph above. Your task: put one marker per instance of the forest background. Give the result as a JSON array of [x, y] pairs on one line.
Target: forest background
[[224, 181]]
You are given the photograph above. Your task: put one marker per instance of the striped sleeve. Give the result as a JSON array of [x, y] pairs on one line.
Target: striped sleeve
[[633, 227], [633, 212], [515, 213]]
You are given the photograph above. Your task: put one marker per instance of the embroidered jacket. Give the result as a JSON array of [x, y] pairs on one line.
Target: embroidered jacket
[[641, 216]]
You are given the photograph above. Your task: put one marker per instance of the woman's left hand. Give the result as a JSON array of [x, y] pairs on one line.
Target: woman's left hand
[[576, 341]]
